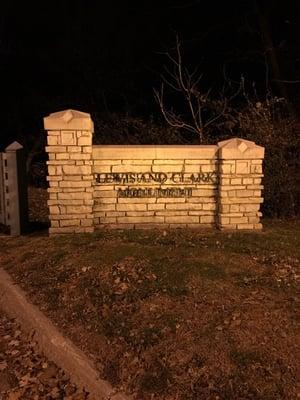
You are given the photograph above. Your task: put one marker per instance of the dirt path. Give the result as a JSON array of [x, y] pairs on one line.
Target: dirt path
[[25, 373]]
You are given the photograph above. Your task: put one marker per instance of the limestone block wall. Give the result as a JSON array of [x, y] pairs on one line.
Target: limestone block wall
[[148, 186], [240, 188], [70, 171]]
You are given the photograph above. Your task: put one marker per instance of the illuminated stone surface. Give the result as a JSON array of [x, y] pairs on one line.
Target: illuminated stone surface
[[148, 186]]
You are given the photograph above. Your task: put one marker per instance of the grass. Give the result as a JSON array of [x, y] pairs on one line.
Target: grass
[[178, 314]]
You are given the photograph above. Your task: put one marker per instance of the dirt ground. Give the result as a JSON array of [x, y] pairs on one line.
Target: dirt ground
[[25, 374], [175, 314]]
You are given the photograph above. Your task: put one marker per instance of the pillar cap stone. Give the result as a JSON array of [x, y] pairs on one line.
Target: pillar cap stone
[[238, 149], [69, 120], [14, 146]]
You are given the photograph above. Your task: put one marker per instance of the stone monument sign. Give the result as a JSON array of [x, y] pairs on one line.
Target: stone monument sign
[[116, 186]]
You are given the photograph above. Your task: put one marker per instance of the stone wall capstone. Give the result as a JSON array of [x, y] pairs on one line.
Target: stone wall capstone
[[148, 186]]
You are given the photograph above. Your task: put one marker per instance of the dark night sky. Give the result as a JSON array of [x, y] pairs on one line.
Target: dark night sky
[[92, 55]]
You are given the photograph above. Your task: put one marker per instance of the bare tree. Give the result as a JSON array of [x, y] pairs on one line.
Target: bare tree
[[203, 111]]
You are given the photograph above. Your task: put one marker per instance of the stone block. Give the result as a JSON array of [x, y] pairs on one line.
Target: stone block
[[201, 212], [201, 200], [244, 193], [51, 170], [101, 169], [224, 208], [87, 222], [68, 138], [108, 220], [166, 162], [207, 219], [238, 220], [74, 184], [224, 181], [111, 162], [72, 177], [209, 206], [138, 220], [257, 187], [245, 226], [104, 207], [224, 220], [133, 200], [237, 148], [185, 206], [64, 216], [192, 168], [249, 207], [106, 200], [62, 156], [131, 207], [247, 181], [204, 192], [53, 184], [65, 202], [154, 152], [80, 209], [257, 226], [256, 169], [130, 168], [232, 187], [208, 168], [54, 210], [228, 227], [227, 168], [98, 214], [253, 220], [52, 140], [75, 196], [69, 120], [171, 213], [77, 169], [87, 149], [151, 206], [84, 141], [115, 214], [185, 219], [74, 149], [105, 193], [54, 224], [80, 156], [167, 168], [56, 149], [170, 200], [138, 214], [235, 181], [70, 222], [242, 167], [98, 188], [199, 162]]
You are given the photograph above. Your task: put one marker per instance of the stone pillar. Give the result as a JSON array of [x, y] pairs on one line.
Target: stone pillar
[[239, 194], [70, 171], [15, 193]]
